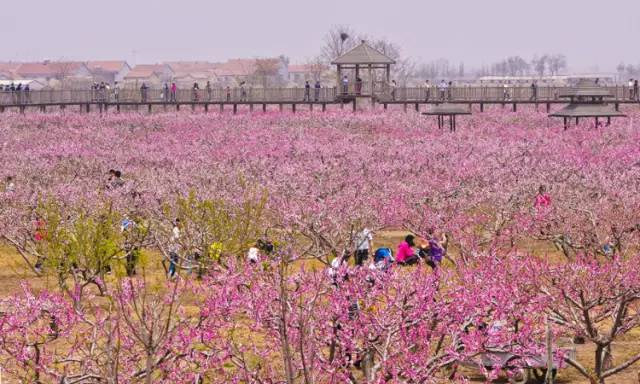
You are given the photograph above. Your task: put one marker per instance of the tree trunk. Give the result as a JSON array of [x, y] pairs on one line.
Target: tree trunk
[[284, 333]]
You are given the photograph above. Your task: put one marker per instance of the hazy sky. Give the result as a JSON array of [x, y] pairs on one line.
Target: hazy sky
[[589, 32]]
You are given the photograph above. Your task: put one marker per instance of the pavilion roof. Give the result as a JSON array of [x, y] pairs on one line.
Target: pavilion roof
[[364, 54], [587, 110], [586, 88], [448, 109]]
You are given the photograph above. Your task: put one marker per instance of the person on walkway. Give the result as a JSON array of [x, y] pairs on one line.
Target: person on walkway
[[505, 91], [345, 85], [116, 91], [427, 90], [363, 241], [194, 92], [102, 92], [630, 84], [449, 88], [307, 91], [164, 95], [243, 92], [143, 92], [208, 88], [635, 90], [534, 91], [317, 90], [27, 93], [228, 93], [174, 90], [406, 255], [358, 85], [442, 88], [394, 88]]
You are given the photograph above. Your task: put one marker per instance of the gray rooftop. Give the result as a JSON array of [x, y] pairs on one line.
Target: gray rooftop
[[364, 54], [448, 109], [588, 110]]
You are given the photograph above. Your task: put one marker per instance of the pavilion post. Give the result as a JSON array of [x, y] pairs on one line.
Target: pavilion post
[[339, 79], [371, 81], [388, 73], [596, 121]]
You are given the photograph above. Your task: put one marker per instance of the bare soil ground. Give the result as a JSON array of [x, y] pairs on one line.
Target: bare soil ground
[[14, 273]]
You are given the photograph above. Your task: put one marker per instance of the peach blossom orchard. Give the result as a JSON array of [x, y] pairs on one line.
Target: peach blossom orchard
[[309, 183]]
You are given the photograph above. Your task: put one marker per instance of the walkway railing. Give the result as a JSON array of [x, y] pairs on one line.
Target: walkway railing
[[295, 95]]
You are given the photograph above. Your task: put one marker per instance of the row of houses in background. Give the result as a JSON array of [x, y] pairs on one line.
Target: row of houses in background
[[267, 72]]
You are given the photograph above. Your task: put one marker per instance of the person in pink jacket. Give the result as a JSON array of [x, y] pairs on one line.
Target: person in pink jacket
[[543, 200], [406, 254]]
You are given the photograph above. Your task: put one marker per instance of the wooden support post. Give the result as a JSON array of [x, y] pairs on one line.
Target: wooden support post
[[280, 107], [417, 107], [405, 107], [354, 105], [310, 107], [264, 108], [22, 108], [221, 107], [62, 107], [577, 120], [450, 123], [1, 109], [206, 107], [597, 122], [106, 107], [617, 107], [548, 107], [515, 107], [293, 108], [118, 107], [43, 108], [565, 123], [341, 104], [235, 108], [251, 107], [324, 107], [481, 107], [608, 121], [100, 108], [149, 108], [177, 107], [384, 106]]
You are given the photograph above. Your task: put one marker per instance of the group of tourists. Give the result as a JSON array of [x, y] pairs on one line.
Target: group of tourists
[[633, 90], [412, 250], [15, 94], [307, 91]]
